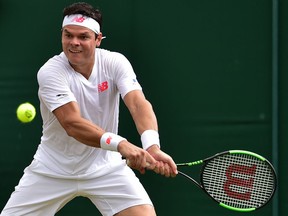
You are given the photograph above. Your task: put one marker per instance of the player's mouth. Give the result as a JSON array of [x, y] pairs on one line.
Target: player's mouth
[[74, 51]]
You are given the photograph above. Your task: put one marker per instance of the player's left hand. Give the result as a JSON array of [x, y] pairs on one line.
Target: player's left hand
[[165, 164]]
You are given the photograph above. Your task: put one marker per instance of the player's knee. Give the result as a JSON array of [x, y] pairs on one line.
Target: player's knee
[[139, 210]]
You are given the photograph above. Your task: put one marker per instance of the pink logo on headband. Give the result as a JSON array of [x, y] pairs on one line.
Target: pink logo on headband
[[78, 19], [81, 20]]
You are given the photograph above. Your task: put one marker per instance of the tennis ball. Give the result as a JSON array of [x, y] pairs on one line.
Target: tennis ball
[[26, 112]]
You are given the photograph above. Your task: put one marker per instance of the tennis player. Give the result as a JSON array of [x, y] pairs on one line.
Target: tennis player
[[80, 153]]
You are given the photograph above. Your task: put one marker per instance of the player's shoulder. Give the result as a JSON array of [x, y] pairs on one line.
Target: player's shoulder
[[56, 66], [110, 56], [57, 61]]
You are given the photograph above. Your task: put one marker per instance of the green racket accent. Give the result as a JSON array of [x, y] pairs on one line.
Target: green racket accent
[[190, 163], [237, 209], [247, 153]]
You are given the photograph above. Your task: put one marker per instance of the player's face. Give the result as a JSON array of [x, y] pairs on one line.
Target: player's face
[[79, 44]]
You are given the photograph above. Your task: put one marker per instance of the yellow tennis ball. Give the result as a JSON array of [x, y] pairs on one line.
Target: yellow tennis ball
[[26, 112]]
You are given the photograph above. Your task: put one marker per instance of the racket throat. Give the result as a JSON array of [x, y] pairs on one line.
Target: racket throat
[[191, 179]]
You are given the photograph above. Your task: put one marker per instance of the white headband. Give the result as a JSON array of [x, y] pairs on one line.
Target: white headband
[[81, 20]]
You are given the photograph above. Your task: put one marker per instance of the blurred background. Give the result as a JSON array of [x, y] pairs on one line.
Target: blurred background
[[214, 70]]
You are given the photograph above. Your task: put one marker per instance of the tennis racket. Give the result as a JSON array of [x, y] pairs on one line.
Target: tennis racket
[[237, 180]]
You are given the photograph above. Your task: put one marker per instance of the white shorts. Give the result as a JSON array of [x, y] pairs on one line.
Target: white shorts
[[37, 194]]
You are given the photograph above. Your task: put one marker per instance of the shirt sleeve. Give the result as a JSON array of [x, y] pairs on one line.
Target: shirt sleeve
[[125, 79], [54, 88]]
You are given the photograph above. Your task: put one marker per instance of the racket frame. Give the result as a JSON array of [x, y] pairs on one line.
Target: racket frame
[[204, 163]]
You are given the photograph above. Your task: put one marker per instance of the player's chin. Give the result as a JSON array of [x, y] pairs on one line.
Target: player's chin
[[75, 60]]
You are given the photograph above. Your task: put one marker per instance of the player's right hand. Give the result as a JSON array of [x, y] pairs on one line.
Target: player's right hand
[[136, 157]]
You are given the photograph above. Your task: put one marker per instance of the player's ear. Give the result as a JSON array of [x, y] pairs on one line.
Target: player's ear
[[98, 39]]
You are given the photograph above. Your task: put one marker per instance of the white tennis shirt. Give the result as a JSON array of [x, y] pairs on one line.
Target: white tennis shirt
[[98, 99]]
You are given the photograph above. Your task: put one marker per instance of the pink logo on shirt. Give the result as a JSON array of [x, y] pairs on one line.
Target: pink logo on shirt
[[103, 86]]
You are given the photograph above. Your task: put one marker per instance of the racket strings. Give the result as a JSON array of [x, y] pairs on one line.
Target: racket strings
[[240, 181]]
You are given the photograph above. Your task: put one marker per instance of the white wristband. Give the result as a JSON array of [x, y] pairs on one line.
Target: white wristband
[[149, 138], [110, 141]]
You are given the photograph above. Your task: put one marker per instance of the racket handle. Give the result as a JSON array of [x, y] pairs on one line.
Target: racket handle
[[128, 162]]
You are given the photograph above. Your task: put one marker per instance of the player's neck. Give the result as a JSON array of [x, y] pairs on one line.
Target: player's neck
[[85, 70]]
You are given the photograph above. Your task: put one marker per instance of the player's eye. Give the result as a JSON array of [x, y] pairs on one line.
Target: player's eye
[[68, 35], [84, 37]]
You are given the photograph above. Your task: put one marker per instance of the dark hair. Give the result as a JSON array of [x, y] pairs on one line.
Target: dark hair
[[84, 9]]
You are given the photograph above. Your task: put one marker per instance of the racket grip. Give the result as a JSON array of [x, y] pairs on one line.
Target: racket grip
[[128, 162]]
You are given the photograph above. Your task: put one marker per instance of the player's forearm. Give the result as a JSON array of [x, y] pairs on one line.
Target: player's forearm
[[85, 132], [144, 117], [141, 111]]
